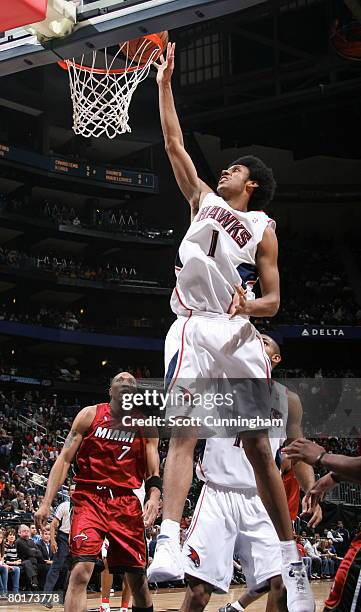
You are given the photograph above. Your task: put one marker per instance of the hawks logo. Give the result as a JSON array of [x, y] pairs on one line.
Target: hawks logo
[[194, 556], [276, 414], [78, 539]]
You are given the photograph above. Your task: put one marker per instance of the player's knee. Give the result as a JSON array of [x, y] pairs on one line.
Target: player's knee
[[81, 573], [199, 594], [138, 585]]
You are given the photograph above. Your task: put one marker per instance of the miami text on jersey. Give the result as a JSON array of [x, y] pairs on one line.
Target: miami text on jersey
[[114, 434]]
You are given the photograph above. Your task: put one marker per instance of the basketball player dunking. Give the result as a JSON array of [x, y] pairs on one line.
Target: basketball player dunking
[[213, 337], [112, 464]]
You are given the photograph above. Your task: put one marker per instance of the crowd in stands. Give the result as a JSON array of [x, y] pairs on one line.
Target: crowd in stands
[[70, 320], [113, 219], [315, 286], [107, 272], [68, 370]]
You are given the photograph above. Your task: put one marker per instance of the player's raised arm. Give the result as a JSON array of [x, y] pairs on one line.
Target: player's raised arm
[[192, 187], [61, 466]]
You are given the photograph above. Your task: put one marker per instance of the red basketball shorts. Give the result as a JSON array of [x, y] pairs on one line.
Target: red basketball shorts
[[116, 516], [345, 595]]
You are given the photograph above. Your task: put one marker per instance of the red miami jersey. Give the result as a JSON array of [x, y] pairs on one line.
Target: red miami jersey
[[111, 456]]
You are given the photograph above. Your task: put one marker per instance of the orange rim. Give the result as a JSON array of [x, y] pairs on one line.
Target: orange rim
[[65, 64]]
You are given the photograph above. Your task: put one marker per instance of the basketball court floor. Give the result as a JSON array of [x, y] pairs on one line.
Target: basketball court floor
[[169, 600]]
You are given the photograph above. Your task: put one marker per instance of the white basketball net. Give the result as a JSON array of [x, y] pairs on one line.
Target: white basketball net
[[101, 99]]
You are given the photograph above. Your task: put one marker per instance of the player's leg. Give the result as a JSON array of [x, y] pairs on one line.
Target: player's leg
[[272, 493], [197, 595], [249, 365], [87, 533], [207, 565], [106, 585], [76, 595], [127, 547], [270, 488], [177, 480], [345, 594], [126, 595], [142, 599], [178, 472], [277, 600]]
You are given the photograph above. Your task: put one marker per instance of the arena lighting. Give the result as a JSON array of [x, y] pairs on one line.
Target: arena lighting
[[81, 311], [104, 362]]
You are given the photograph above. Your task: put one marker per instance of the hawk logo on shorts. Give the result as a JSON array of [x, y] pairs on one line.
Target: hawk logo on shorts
[[276, 414], [194, 556], [78, 539]]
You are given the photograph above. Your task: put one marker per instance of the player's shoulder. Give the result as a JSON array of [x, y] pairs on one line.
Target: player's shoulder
[[208, 196], [87, 410], [86, 415], [279, 388], [261, 217], [293, 397]]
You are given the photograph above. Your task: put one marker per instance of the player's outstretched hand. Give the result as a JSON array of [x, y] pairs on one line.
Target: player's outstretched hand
[[150, 512], [165, 65], [320, 488], [41, 516], [311, 509], [303, 450], [239, 302]]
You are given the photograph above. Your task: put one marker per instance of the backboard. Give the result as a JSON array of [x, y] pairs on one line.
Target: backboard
[[103, 23]]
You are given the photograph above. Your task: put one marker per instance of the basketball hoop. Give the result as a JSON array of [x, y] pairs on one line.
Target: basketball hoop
[[101, 95]]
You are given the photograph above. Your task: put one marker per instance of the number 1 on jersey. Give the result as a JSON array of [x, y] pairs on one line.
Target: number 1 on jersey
[[212, 248]]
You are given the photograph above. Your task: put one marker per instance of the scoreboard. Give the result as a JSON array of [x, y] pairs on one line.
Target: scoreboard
[[115, 176]]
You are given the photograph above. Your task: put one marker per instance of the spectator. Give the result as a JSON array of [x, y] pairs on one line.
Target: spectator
[[333, 535], [34, 534], [3, 569], [11, 559], [314, 555], [47, 555], [153, 542], [29, 555], [307, 561], [59, 544], [342, 547]]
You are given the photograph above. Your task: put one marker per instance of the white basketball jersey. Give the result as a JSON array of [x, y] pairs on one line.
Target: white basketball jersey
[[217, 253], [224, 461]]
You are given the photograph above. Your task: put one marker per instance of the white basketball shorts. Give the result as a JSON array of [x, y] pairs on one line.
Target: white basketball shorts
[[229, 522], [207, 352]]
